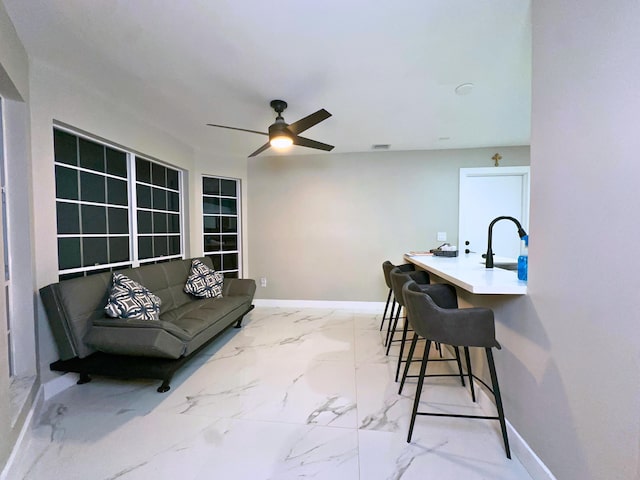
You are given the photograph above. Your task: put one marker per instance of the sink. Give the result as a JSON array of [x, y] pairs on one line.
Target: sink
[[513, 266], [506, 266]]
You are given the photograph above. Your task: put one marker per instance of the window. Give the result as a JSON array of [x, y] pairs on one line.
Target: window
[[115, 209], [221, 223]]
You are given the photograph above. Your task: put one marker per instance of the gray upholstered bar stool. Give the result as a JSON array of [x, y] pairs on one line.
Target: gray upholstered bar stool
[[421, 280], [398, 279], [387, 266], [462, 327]]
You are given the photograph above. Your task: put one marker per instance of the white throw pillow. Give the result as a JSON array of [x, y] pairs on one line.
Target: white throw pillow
[[204, 281], [129, 299]]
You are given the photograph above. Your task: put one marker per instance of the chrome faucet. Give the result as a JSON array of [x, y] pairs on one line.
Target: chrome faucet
[[489, 254]]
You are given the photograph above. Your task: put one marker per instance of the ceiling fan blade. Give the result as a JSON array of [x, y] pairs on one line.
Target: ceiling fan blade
[[235, 128], [261, 149], [308, 121], [306, 142]]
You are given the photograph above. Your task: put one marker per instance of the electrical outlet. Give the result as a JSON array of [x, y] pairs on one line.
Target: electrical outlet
[[442, 236], [263, 281]]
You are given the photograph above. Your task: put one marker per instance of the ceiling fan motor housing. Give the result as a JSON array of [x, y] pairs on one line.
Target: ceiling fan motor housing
[[279, 129]]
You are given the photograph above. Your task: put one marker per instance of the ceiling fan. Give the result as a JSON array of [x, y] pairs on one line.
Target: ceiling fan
[[282, 134]]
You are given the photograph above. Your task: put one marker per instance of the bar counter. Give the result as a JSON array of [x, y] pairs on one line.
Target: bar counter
[[468, 272]]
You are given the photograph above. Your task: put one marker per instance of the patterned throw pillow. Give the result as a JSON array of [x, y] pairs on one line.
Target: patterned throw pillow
[[204, 281], [129, 299]]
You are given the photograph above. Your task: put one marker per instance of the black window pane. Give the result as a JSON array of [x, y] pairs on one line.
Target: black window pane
[[231, 274], [69, 276], [158, 175], [173, 201], [143, 170], [145, 224], [92, 187], [118, 220], [94, 251], [118, 249], [94, 219], [160, 247], [211, 186], [210, 205], [117, 192], [68, 217], [229, 242], [229, 224], [159, 199], [174, 245], [68, 253], [228, 188], [212, 243], [211, 224], [116, 162], [172, 179], [174, 223], [159, 222], [230, 261], [145, 247], [66, 183], [217, 261], [228, 206], [143, 196], [91, 155], [65, 147]]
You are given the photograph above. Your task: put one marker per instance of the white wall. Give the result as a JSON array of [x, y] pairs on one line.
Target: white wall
[[321, 225], [580, 403]]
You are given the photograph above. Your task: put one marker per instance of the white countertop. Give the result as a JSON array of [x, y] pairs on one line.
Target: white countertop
[[468, 272]]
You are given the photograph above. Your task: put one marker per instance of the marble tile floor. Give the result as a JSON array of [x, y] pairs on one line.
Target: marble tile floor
[[296, 393]]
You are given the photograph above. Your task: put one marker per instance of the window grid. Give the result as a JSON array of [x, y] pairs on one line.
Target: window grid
[[98, 210], [221, 223]]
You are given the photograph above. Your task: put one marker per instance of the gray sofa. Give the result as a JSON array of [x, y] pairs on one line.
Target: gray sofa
[[90, 342]]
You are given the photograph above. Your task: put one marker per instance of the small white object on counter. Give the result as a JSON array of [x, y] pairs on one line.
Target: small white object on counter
[[468, 272]]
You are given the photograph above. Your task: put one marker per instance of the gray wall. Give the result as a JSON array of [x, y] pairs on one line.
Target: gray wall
[[321, 225], [581, 407]]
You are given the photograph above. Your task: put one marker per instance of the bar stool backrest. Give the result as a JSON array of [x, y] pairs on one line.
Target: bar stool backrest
[[387, 266], [463, 327], [399, 278]]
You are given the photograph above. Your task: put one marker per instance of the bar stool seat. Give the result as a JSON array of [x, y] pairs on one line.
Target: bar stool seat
[[461, 327]]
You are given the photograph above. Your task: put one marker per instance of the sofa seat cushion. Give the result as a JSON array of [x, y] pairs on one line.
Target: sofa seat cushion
[[197, 316]]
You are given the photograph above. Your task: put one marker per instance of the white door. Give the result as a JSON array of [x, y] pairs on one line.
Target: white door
[[487, 193]]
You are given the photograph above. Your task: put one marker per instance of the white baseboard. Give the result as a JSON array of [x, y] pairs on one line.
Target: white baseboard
[[519, 447], [28, 424], [364, 307], [59, 384]]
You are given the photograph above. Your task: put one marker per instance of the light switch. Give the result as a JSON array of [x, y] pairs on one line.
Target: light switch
[[442, 236]]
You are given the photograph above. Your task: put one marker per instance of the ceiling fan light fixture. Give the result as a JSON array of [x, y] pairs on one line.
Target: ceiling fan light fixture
[[281, 141]]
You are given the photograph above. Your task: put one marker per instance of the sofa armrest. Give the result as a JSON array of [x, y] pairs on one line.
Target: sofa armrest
[[239, 286]]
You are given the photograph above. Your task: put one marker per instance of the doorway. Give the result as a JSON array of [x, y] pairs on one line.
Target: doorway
[[487, 193]]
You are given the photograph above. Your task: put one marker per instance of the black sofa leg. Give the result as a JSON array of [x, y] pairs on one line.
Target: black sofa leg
[[84, 378], [165, 387], [238, 323]]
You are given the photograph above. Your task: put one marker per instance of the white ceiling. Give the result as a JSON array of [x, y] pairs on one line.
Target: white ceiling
[[386, 70]]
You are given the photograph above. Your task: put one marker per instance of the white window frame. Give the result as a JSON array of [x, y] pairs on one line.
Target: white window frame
[[131, 158], [238, 216]]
